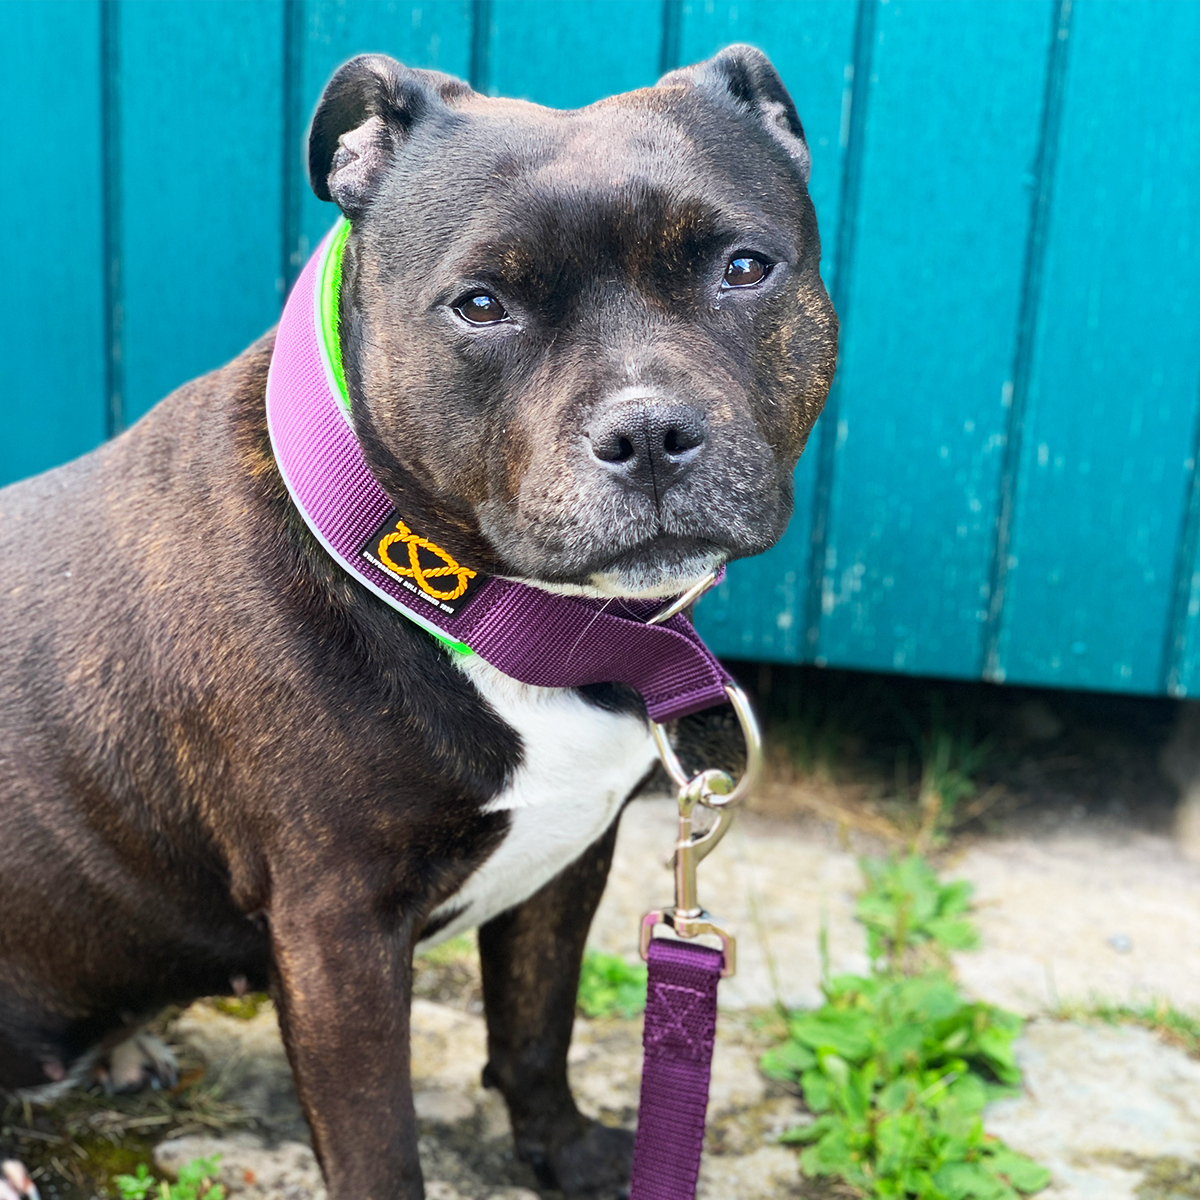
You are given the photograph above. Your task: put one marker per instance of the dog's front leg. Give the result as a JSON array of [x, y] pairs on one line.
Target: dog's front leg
[[530, 958], [343, 986]]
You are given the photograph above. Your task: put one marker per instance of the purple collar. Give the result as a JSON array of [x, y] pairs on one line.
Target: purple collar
[[530, 634]]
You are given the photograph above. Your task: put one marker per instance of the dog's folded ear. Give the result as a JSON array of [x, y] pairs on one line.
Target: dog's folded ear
[[744, 77], [367, 111]]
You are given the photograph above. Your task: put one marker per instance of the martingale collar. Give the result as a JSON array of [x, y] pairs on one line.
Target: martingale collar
[[526, 632]]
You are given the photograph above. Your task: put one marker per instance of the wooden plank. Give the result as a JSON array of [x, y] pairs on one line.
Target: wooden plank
[[435, 34], [201, 229], [567, 55], [1109, 425], [1183, 646], [811, 43], [929, 319], [52, 311], [759, 612]]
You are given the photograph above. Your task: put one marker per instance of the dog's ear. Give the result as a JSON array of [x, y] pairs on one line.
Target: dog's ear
[[743, 76], [365, 114]]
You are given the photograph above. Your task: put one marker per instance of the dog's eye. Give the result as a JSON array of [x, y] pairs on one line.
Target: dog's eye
[[481, 309], [745, 271]]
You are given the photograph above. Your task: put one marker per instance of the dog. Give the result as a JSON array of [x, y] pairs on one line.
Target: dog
[[582, 350]]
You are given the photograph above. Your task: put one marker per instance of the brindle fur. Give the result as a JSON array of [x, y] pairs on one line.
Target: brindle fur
[[222, 757]]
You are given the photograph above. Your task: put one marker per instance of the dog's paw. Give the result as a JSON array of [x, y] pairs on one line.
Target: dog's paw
[[592, 1165], [15, 1183], [140, 1061]]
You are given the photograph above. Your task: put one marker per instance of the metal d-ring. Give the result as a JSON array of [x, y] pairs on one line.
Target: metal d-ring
[[715, 790], [681, 602]]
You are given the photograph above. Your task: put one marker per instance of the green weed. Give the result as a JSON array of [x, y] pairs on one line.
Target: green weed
[[912, 919], [195, 1183], [897, 1065], [609, 986], [242, 1008], [457, 949]]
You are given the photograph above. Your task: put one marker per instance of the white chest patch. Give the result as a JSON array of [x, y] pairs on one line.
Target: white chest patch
[[579, 764]]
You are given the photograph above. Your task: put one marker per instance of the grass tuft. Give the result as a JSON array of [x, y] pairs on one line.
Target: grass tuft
[[1172, 1025], [241, 1008]]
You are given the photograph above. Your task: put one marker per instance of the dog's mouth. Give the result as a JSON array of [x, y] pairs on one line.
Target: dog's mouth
[[640, 556]]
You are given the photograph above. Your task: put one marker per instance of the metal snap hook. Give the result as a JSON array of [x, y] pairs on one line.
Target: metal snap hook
[[718, 791]]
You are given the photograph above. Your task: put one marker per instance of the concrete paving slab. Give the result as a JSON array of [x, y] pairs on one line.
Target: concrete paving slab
[[1082, 915], [1102, 1106]]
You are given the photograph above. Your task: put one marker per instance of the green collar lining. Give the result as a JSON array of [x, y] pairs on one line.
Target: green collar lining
[[327, 312]]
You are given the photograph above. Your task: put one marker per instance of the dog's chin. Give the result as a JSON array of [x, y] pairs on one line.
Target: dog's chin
[[651, 580], [659, 569]]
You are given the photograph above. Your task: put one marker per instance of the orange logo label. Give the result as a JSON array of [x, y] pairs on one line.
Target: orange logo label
[[449, 568], [420, 567]]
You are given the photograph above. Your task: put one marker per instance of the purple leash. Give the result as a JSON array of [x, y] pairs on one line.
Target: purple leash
[[681, 990], [548, 640], [677, 1048]]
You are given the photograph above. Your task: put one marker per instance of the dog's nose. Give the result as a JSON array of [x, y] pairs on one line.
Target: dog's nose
[[648, 444]]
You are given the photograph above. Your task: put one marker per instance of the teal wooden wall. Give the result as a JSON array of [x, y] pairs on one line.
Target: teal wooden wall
[[1004, 484]]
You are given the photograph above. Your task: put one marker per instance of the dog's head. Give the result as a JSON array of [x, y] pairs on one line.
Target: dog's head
[[584, 348]]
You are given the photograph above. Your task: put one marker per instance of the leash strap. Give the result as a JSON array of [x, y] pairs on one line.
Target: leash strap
[[539, 637], [681, 992], [677, 1044]]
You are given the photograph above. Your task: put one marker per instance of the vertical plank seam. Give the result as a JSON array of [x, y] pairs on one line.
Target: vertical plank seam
[[1045, 165], [672, 27], [481, 46], [860, 88], [110, 125], [1175, 643], [294, 161]]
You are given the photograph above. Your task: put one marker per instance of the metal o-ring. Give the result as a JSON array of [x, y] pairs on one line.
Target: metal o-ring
[[750, 732]]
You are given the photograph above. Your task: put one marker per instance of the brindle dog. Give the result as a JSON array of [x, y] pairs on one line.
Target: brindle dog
[[584, 349]]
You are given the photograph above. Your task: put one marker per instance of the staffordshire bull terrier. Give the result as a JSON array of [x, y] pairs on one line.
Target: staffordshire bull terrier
[[582, 350]]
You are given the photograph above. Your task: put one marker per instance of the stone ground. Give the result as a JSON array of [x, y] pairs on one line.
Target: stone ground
[[1083, 897], [1069, 908]]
